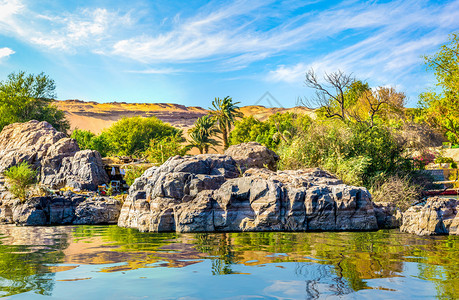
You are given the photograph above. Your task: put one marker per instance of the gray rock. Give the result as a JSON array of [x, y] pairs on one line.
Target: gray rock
[[204, 193], [77, 209], [57, 159], [437, 216], [253, 155]]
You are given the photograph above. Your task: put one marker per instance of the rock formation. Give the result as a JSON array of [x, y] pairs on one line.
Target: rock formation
[[437, 216], [207, 193], [72, 209], [253, 155], [57, 158], [388, 215]]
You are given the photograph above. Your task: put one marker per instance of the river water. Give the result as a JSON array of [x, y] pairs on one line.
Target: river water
[[108, 262]]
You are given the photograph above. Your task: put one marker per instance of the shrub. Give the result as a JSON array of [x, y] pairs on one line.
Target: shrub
[[399, 190], [88, 140], [276, 129], [161, 149], [19, 179]]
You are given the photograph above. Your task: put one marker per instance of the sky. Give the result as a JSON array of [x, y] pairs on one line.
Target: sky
[[189, 52]]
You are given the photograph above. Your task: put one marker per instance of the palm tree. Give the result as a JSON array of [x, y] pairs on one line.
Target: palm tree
[[225, 113], [201, 133]]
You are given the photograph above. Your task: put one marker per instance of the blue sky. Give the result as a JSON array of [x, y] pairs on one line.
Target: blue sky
[[190, 52]]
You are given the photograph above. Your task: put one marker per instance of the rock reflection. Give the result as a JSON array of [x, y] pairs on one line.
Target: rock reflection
[[325, 263]]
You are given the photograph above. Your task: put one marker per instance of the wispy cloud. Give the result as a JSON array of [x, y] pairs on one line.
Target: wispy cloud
[[65, 31], [389, 51]]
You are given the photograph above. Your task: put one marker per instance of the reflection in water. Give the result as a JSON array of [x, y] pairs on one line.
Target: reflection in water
[[42, 260]]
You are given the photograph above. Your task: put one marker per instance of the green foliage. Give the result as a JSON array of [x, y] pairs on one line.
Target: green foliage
[[277, 128], [162, 149], [441, 108], [30, 97], [225, 112], [355, 153], [131, 136], [88, 140], [19, 179], [201, 134]]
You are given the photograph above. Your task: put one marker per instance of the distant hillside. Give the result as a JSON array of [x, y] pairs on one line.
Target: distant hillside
[[95, 116]]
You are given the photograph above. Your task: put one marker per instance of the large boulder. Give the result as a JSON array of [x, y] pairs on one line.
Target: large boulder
[[388, 215], [206, 193], [438, 216], [60, 210], [57, 159], [32, 142], [253, 155]]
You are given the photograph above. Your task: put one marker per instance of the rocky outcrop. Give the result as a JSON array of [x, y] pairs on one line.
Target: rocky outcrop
[[205, 193], [84, 171], [436, 217], [253, 155], [73, 209], [57, 158]]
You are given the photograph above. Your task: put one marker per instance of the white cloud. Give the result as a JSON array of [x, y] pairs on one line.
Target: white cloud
[[65, 31], [386, 54], [5, 52]]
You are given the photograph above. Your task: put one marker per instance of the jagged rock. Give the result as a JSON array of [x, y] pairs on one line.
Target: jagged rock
[[204, 193], [437, 216], [30, 142], [253, 155], [39, 211], [84, 171], [388, 215], [57, 158]]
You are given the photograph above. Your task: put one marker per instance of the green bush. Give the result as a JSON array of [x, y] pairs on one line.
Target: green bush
[[131, 136], [355, 153], [19, 179], [276, 129], [88, 140], [161, 149]]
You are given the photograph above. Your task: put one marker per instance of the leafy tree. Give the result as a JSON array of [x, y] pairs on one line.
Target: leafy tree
[[441, 108], [225, 112], [131, 136], [201, 134], [19, 179], [30, 97]]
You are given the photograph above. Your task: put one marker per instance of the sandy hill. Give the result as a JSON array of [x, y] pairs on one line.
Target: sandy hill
[[96, 116]]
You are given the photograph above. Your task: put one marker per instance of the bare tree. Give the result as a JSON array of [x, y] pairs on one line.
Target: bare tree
[[329, 95]]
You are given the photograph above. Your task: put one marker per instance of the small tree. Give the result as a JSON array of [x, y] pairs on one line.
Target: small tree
[[225, 111], [329, 96], [30, 97], [201, 134], [19, 179]]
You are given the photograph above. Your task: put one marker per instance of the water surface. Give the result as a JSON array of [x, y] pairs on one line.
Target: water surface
[[108, 262]]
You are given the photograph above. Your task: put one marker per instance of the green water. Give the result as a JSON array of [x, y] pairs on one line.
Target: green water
[[108, 262]]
